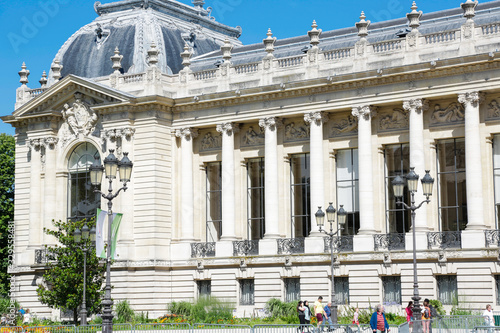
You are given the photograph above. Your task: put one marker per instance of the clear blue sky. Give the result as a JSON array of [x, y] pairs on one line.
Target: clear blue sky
[[34, 30]]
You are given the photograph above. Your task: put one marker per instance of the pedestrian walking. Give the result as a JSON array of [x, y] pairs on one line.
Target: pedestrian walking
[[307, 313], [302, 316], [378, 323], [319, 311], [355, 317], [27, 317], [488, 317], [426, 317], [409, 311], [328, 313]]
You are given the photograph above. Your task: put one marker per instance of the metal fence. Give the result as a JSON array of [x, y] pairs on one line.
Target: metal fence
[[50, 329], [451, 324]]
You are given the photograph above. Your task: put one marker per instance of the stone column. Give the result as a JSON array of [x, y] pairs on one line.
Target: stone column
[[416, 108], [366, 215], [271, 190], [228, 194], [126, 234], [36, 229], [317, 181], [473, 165], [50, 183], [187, 191]]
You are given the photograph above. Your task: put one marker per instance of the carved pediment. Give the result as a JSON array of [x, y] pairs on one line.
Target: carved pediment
[[80, 117]]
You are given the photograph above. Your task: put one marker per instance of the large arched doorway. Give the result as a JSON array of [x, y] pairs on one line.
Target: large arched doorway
[[82, 201]]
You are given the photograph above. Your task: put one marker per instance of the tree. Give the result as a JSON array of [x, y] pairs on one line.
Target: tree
[[63, 287], [7, 168]]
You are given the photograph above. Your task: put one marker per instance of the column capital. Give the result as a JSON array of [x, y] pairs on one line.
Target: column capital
[[35, 144], [416, 105], [187, 133], [128, 132], [50, 142], [471, 97], [228, 128], [366, 111], [270, 123], [316, 117]]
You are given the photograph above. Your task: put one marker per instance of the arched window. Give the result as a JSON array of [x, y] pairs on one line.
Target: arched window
[[82, 201]]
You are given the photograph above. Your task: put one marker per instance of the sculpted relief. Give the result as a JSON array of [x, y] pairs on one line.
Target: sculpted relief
[[296, 131], [396, 120], [252, 137], [344, 127], [80, 120], [211, 142], [493, 109], [453, 113]]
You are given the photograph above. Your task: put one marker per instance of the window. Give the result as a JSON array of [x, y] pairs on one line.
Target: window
[[204, 288], [397, 163], [255, 188], [83, 202], [452, 187], [214, 201], [447, 288], [247, 292], [497, 283], [348, 188], [341, 290], [391, 290], [292, 289], [300, 195], [496, 175]]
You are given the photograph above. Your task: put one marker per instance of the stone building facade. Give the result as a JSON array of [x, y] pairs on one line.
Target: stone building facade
[[235, 147]]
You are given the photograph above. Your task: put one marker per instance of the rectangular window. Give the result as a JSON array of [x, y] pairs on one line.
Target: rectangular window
[[391, 290], [255, 194], [447, 288], [204, 288], [300, 195], [214, 201], [497, 284], [247, 292], [348, 188], [397, 163], [292, 289], [451, 184], [496, 175], [341, 290]]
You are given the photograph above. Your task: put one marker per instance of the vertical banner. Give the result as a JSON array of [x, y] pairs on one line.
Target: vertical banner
[[102, 216]]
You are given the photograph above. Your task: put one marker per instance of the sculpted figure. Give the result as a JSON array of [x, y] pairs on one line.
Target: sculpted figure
[[345, 126], [398, 119], [452, 113], [494, 109], [253, 138]]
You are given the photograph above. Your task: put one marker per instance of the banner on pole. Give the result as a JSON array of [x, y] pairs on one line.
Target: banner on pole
[[100, 249]]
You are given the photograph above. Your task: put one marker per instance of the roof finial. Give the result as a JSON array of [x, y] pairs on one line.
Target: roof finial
[[117, 61], [314, 34], [198, 4], [469, 8], [269, 43], [153, 55], [56, 70], [43, 80], [362, 26], [186, 56], [226, 51], [24, 73], [414, 17]]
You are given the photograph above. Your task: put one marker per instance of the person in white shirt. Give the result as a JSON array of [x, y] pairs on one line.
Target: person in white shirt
[[488, 316]]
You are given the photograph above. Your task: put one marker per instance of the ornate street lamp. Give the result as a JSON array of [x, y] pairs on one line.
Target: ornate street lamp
[[85, 234], [320, 221], [398, 188], [124, 168]]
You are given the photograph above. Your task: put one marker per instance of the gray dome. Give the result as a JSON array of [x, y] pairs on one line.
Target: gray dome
[[132, 26]]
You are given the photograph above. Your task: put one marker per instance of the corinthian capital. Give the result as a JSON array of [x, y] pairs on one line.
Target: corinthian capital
[[35, 144], [317, 118], [187, 133], [270, 123], [366, 112], [416, 105], [228, 128], [471, 97], [51, 142]]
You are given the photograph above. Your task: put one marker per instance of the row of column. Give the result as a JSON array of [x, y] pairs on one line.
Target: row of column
[[364, 114]]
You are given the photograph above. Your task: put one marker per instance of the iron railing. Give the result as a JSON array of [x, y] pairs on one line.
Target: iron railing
[[340, 244], [492, 238], [290, 245], [42, 256], [246, 248], [202, 250], [444, 240], [390, 242]]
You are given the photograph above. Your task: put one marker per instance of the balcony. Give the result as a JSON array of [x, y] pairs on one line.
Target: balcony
[[340, 244], [42, 256], [202, 250], [444, 240], [492, 238], [389, 242], [290, 245], [246, 248]]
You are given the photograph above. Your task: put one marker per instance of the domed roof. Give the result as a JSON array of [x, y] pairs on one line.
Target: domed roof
[[133, 26]]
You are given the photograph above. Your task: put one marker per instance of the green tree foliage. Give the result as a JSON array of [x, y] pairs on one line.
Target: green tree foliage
[[7, 167], [63, 278]]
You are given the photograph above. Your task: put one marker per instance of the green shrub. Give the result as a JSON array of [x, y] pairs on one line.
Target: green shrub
[[287, 312], [180, 308], [124, 312], [438, 306], [204, 310]]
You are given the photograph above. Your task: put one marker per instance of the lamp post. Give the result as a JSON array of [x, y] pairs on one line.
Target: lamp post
[[320, 221], [398, 185], [111, 167], [78, 236]]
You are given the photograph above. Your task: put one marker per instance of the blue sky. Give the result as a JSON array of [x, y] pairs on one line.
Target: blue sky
[[34, 30]]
